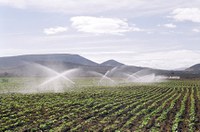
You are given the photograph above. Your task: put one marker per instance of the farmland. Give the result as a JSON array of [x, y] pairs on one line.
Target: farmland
[[165, 106]]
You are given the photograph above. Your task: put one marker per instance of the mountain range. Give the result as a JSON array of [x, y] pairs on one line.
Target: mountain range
[[25, 65]]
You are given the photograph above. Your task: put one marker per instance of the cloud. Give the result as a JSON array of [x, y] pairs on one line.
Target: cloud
[[166, 59], [186, 14], [75, 6], [14, 3], [79, 7], [196, 30], [55, 30], [101, 25], [169, 25]]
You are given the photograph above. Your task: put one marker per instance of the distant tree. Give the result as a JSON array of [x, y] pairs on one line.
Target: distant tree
[[5, 74]]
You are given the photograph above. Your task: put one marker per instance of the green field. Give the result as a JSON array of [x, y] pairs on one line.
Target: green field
[[166, 106]]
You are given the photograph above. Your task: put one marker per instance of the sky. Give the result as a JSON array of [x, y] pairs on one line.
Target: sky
[[157, 33]]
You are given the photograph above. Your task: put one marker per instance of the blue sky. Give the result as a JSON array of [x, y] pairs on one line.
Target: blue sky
[[157, 33]]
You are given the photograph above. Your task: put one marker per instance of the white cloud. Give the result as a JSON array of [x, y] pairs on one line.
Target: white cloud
[[169, 25], [166, 59], [80, 7], [186, 14], [74, 6], [196, 30], [55, 30], [14, 3], [101, 25]]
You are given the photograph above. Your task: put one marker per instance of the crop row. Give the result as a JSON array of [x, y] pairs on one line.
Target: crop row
[[167, 106]]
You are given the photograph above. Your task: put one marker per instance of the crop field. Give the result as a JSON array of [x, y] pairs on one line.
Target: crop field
[[165, 106]]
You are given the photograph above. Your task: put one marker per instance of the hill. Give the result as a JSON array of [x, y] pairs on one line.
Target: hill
[[14, 61], [113, 63], [28, 65], [194, 68]]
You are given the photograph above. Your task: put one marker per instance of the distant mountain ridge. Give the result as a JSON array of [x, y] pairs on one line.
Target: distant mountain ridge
[[194, 68], [22, 65], [113, 63], [59, 58]]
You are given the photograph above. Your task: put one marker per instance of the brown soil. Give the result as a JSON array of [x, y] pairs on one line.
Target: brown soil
[[183, 126], [138, 121], [152, 121], [120, 116], [124, 119], [197, 110], [130, 115], [166, 126]]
